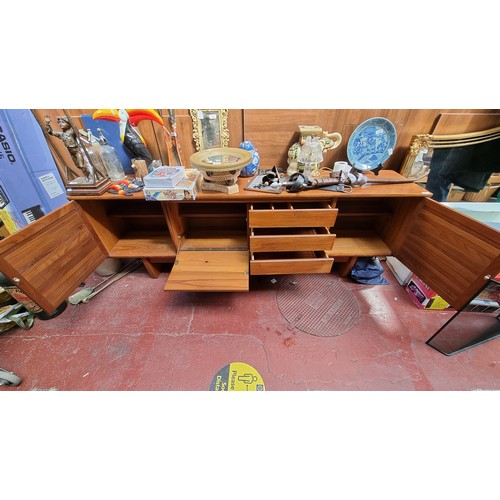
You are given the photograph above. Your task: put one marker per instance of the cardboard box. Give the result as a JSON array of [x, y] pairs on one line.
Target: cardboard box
[[400, 271], [424, 296], [164, 177], [30, 184], [186, 189]]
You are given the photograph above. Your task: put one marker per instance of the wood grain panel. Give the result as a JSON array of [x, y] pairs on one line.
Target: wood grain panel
[[107, 229], [299, 263], [176, 224], [215, 241], [148, 244], [463, 123], [364, 244], [61, 156], [449, 251], [290, 242], [210, 270], [274, 131], [296, 217], [52, 256], [152, 133]]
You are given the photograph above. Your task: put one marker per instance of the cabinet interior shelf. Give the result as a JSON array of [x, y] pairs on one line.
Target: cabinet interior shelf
[[144, 244], [211, 210], [218, 242], [371, 213], [137, 215], [362, 244]]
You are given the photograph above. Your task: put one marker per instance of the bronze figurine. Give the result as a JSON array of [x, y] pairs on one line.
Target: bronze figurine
[[68, 137]]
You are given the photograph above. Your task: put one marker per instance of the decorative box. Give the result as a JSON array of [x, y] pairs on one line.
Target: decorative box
[[164, 177], [423, 296], [186, 189]]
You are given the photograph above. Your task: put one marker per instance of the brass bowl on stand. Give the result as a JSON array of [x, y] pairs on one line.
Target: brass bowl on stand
[[220, 167]]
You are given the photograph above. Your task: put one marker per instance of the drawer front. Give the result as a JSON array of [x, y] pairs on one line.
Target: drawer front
[[312, 240], [295, 215], [301, 265]]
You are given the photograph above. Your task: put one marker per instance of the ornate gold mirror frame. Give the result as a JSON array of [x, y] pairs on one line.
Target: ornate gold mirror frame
[[210, 128], [414, 166]]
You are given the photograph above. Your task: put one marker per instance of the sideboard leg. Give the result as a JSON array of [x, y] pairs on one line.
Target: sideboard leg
[[344, 268], [152, 269]]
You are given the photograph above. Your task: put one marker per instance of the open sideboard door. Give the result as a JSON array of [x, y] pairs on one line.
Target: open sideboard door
[[451, 252], [210, 271], [49, 258], [219, 264]]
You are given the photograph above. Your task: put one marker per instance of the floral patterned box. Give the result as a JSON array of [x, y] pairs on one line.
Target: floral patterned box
[[186, 189]]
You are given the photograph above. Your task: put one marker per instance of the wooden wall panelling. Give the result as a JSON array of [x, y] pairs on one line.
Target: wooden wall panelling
[[151, 131], [159, 136], [463, 123], [57, 148], [147, 129], [185, 132], [235, 126], [273, 131], [108, 230]]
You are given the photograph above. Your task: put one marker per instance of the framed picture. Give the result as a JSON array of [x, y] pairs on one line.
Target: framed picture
[[210, 128]]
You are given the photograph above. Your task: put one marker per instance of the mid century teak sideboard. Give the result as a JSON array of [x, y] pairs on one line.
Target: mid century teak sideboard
[[216, 242]]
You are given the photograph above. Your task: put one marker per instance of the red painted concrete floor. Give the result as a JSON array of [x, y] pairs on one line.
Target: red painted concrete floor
[[134, 336]]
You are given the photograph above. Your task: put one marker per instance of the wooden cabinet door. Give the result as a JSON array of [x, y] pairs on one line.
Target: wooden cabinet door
[[210, 271], [49, 258], [449, 251]]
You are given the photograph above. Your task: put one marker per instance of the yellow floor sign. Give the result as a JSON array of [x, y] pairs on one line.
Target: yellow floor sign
[[237, 377]]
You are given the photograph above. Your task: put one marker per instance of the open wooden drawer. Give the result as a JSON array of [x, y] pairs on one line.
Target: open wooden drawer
[[296, 214], [290, 239], [312, 262]]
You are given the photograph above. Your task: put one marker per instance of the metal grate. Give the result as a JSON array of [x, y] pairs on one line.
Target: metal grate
[[317, 304]]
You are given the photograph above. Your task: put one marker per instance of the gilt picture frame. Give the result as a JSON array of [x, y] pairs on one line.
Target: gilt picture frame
[[210, 129], [413, 166]]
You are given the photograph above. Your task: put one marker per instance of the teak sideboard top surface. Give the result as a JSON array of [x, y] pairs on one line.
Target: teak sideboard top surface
[[367, 191], [217, 241]]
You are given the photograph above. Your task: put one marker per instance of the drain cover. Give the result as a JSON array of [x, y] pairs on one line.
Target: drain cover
[[317, 304]]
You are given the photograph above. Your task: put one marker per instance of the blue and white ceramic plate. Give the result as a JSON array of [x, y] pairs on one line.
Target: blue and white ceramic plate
[[371, 143]]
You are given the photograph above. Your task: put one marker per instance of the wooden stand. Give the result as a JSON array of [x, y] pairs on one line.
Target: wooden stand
[[221, 188], [140, 168], [88, 189]]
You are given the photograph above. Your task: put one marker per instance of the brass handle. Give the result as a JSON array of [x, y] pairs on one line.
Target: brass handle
[[16, 280]]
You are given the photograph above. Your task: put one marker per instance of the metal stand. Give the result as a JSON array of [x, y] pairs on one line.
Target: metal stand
[[485, 326]]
